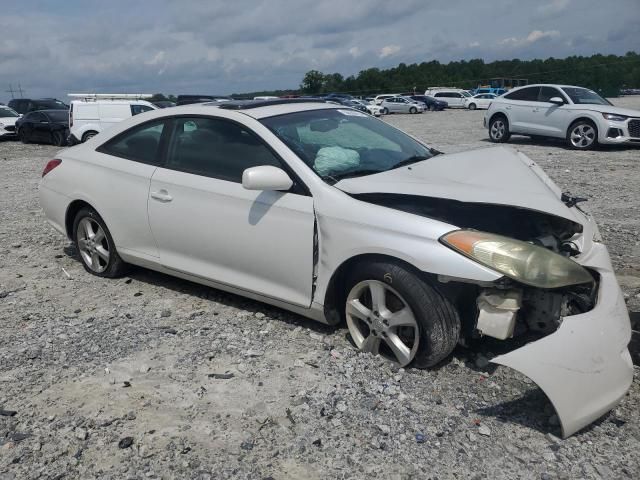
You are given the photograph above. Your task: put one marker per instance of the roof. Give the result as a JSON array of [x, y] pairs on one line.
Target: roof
[[270, 108], [549, 85]]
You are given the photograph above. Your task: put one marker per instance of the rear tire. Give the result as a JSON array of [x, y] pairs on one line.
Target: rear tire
[[95, 246], [499, 129], [88, 135], [387, 303]]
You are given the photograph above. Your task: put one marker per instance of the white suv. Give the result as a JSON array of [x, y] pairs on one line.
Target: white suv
[[577, 114], [455, 97]]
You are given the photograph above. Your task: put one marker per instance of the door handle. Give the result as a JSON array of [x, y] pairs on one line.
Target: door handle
[[507, 107], [162, 196]]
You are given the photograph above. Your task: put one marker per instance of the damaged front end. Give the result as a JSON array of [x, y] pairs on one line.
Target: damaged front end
[[559, 298]]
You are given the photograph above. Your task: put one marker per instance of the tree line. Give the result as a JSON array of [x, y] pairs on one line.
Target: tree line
[[604, 73]]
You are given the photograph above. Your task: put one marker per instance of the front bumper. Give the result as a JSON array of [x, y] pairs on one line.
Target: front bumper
[[6, 133], [584, 367], [614, 133]]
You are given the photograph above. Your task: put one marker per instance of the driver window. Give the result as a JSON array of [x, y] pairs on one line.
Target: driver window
[[216, 148]]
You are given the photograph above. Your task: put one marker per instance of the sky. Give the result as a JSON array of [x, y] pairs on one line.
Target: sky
[[52, 48]]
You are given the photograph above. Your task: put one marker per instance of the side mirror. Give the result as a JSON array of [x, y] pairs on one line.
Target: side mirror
[[266, 177], [556, 100]]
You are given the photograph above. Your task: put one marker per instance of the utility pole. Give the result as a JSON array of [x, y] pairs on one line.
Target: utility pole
[[13, 92]]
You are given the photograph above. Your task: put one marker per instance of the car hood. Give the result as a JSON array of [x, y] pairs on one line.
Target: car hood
[[498, 175], [8, 120]]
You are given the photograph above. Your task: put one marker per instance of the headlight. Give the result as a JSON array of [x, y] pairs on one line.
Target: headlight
[[521, 261], [614, 117]]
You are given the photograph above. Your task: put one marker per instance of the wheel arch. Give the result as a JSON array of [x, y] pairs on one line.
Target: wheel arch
[[583, 118], [336, 286], [83, 137], [70, 215], [499, 114]]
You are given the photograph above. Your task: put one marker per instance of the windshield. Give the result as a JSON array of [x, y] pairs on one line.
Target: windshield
[[466, 94], [8, 112], [582, 96], [58, 115], [340, 143]]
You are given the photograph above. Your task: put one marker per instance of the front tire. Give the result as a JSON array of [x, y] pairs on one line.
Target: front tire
[[23, 136], [472, 106], [88, 135], [95, 245], [499, 129], [385, 111], [393, 312], [582, 135], [413, 110], [57, 138]]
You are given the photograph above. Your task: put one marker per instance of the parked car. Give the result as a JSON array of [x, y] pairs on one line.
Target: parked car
[[91, 114], [378, 99], [191, 99], [164, 104], [494, 90], [579, 115], [401, 105], [44, 126], [430, 103], [26, 105], [414, 249], [479, 101], [8, 117], [455, 97], [371, 108]]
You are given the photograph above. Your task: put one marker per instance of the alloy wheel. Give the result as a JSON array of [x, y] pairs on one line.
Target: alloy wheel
[[381, 322], [583, 135], [93, 245], [498, 129]]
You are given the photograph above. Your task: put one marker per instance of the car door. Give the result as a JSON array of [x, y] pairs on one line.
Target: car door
[[456, 99], [26, 126], [206, 224], [549, 118], [519, 105], [40, 127]]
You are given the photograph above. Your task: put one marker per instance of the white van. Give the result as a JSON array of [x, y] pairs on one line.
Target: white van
[[455, 97], [90, 114]]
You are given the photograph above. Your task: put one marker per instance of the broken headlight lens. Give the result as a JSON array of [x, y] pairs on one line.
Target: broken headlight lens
[[521, 261]]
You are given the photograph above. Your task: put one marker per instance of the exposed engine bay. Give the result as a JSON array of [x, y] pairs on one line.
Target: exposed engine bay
[[507, 309]]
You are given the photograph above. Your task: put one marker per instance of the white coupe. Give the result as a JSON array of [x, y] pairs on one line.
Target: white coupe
[[335, 215]]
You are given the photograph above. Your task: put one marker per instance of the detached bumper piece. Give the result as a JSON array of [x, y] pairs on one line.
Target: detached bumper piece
[[584, 367]]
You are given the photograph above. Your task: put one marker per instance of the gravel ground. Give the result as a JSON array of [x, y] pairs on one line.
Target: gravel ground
[[153, 377]]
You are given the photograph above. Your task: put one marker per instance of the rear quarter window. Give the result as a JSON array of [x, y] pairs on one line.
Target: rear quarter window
[[141, 143]]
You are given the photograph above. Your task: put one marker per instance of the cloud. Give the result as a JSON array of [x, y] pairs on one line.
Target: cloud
[[388, 50], [553, 7], [191, 46], [534, 36]]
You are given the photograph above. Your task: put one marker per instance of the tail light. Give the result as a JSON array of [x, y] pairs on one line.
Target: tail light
[[71, 115], [51, 164]]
